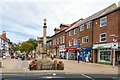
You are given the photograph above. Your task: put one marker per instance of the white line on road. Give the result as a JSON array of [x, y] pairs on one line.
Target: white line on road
[[54, 74], [87, 76]]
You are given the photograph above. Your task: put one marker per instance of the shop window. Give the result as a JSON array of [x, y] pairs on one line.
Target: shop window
[[103, 37], [105, 55], [103, 21]]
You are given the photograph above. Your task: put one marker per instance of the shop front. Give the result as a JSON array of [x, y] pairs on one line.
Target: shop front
[[71, 53], [105, 52], [62, 51], [85, 54]]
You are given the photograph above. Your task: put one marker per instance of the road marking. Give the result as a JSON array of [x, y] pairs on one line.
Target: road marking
[[87, 76], [49, 77], [54, 74]]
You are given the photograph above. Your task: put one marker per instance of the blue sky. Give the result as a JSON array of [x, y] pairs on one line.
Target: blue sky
[[23, 19]]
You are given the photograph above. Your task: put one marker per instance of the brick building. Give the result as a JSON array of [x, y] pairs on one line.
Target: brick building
[[81, 33], [106, 37], [72, 39], [92, 37], [58, 41]]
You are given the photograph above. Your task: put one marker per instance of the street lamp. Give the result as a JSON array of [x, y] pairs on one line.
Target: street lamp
[[114, 40]]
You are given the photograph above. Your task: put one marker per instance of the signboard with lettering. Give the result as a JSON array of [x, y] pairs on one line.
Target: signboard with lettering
[[107, 45]]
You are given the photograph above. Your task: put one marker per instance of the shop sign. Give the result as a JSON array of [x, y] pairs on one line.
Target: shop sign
[[108, 45], [87, 48], [70, 48], [99, 46], [114, 46], [61, 48]]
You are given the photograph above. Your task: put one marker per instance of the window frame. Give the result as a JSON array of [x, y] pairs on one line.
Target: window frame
[[75, 41], [82, 27], [75, 31], [63, 39], [70, 42], [85, 39], [70, 33], [103, 57], [89, 25], [102, 21], [103, 37]]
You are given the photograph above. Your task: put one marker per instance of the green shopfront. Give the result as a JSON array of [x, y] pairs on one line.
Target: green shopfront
[[104, 52]]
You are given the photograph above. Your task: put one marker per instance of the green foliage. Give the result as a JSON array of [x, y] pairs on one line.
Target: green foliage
[[16, 47], [33, 42], [27, 47]]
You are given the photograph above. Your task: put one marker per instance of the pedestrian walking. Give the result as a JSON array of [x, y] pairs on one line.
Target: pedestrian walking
[[78, 57], [52, 56]]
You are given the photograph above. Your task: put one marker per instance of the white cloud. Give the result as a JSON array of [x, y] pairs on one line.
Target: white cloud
[[26, 16]]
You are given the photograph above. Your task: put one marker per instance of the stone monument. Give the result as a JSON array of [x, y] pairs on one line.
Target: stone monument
[[41, 48], [44, 39], [43, 61]]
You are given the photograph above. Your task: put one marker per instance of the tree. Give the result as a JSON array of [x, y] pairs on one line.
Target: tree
[[27, 47], [15, 47], [33, 42]]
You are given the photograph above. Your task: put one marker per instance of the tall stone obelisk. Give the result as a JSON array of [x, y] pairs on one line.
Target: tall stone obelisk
[[44, 38]]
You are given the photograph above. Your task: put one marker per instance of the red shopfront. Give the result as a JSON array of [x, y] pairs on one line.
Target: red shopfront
[[71, 53]]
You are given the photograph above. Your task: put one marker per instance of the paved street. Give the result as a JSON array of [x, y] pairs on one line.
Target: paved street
[[59, 76], [13, 65], [71, 67], [91, 71]]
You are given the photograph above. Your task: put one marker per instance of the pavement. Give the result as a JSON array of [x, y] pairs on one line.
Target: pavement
[[71, 67]]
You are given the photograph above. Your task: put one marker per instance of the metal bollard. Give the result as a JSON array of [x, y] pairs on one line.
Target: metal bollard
[[0, 64]]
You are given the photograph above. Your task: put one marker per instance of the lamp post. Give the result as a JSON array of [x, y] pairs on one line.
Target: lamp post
[[114, 40]]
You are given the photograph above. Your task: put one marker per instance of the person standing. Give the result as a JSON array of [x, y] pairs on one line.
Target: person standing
[[52, 56]]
